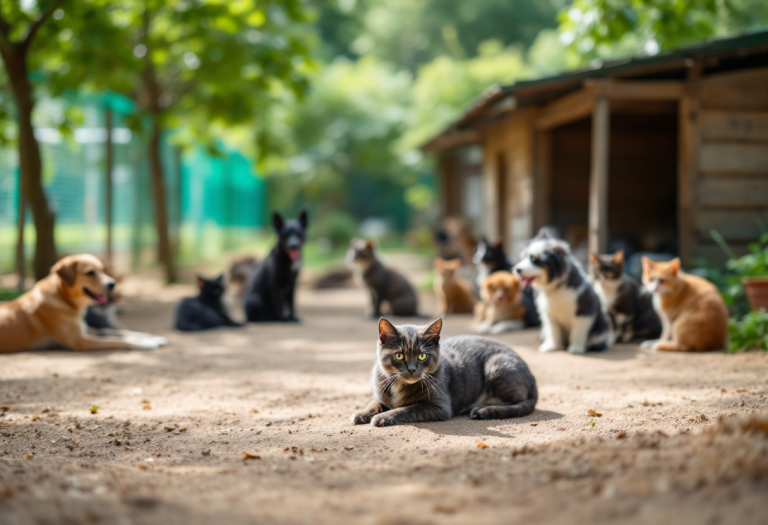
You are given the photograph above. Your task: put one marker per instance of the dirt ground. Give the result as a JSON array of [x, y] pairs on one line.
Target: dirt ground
[[168, 441]]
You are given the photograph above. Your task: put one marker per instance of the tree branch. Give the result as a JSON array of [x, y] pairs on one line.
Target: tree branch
[[39, 20]]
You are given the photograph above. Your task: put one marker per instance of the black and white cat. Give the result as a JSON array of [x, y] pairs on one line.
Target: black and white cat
[[572, 315], [418, 378], [205, 311], [628, 302]]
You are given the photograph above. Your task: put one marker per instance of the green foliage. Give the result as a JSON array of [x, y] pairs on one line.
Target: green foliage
[[446, 86], [411, 33], [8, 295], [755, 263], [612, 28], [749, 332], [336, 226]]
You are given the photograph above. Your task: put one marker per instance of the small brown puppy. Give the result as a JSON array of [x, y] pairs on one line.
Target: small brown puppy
[[454, 295], [502, 308], [53, 311]]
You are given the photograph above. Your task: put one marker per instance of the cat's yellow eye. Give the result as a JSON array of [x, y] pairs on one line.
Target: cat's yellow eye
[[422, 357], [399, 356]]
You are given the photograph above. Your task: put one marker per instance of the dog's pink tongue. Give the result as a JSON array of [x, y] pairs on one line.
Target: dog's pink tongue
[[102, 299], [294, 254], [527, 282]]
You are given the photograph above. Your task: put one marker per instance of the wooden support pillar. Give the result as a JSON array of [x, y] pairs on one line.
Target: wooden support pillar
[[108, 163], [598, 184], [688, 169]]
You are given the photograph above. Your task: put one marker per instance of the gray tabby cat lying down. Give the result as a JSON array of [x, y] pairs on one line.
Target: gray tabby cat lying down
[[416, 378]]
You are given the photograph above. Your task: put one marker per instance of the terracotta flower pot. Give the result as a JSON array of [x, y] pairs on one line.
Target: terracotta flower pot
[[757, 292]]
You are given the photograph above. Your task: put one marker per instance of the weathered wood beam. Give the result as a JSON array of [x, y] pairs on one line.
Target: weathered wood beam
[[452, 140], [566, 109], [636, 89], [598, 183]]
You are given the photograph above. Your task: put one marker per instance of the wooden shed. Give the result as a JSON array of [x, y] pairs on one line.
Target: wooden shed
[[654, 151]]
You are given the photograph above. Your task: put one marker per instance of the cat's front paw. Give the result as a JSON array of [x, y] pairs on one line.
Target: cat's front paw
[[649, 344], [361, 418], [577, 349], [547, 346], [483, 413], [383, 420]]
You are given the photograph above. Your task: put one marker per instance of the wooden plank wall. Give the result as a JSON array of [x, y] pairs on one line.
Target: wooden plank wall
[[731, 190], [512, 140]]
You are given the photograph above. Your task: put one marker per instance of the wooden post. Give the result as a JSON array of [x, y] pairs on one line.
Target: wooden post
[[688, 155], [108, 163], [542, 179], [598, 184]]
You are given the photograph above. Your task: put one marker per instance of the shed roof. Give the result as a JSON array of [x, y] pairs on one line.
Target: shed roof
[[667, 65]]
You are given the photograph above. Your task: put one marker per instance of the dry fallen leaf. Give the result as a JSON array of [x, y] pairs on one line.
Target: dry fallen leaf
[[594, 413], [482, 445], [254, 411], [621, 435], [534, 424], [206, 452], [248, 455], [146, 407], [741, 390], [29, 456]]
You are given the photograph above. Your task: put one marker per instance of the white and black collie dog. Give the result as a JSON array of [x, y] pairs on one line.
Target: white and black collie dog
[[572, 316]]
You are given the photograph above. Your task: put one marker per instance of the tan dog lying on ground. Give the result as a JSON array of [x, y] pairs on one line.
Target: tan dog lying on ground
[[502, 307], [53, 310]]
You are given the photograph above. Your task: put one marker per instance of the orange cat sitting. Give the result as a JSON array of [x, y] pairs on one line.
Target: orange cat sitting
[[693, 315], [502, 308], [454, 294]]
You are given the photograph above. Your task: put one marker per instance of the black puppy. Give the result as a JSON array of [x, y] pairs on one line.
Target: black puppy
[[269, 290], [489, 258], [205, 311]]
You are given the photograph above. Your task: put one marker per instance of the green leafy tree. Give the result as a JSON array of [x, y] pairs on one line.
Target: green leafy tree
[[410, 33], [26, 33], [611, 28], [202, 64]]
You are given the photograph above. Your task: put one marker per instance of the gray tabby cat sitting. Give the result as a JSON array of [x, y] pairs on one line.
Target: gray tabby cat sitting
[[416, 378]]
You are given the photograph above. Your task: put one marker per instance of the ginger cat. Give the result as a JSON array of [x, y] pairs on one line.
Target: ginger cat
[[694, 317], [502, 308], [454, 294]]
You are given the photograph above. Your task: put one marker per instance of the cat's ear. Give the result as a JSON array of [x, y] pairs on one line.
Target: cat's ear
[[647, 263], [432, 333], [618, 257], [303, 219], [594, 258], [674, 265], [369, 244], [220, 278], [388, 333], [200, 282]]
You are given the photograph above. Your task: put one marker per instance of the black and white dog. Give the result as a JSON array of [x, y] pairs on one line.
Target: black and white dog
[[572, 316], [269, 291], [489, 258]]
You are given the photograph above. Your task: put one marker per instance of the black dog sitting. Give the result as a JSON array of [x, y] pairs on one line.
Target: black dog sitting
[[268, 293]]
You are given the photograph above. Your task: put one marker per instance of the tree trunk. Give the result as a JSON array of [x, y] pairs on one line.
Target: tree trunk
[[21, 269], [15, 59], [165, 253]]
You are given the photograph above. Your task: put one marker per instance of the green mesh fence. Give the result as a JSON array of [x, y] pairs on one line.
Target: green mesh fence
[[214, 203]]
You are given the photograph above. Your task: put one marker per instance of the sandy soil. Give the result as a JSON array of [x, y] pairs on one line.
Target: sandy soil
[[167, 443]]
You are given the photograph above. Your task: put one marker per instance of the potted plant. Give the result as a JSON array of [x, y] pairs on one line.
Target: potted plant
[[753, 270]]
